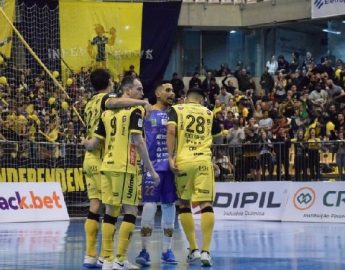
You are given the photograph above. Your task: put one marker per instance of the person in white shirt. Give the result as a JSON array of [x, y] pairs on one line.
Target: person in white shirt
[[272, 65], [224, 96]]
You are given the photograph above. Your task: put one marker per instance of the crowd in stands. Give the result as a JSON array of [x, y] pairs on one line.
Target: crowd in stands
[[300, 103]]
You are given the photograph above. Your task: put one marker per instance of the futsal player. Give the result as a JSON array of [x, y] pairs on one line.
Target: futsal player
[[121, 130], [155, 136], [102, 99], [189, 139]]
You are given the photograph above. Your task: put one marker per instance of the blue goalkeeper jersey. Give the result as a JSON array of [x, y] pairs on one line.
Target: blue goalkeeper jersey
[[155, 133]]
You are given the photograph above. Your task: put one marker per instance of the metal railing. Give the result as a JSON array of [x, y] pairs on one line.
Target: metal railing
[[295, 161]]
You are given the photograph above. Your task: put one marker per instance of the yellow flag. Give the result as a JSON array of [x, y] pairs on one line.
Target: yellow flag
[[8, 7], [100, 34]]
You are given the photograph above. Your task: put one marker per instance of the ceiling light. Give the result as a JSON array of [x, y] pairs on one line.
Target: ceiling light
[[331, 31]]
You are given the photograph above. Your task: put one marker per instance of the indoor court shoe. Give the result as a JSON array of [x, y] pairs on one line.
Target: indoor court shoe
[[206, 259], [90, 262], [143, 258], [99, 263], [168, 257], [193, 256], [107, 264], [121, 265]]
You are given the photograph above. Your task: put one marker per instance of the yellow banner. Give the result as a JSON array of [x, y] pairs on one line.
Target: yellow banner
[[71, 179], [8, 7], [100, 34]]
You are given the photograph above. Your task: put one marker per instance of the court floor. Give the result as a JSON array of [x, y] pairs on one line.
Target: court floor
[[237, 245]]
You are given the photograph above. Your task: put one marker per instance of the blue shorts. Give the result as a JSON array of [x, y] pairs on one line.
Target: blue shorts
[[165, 192]]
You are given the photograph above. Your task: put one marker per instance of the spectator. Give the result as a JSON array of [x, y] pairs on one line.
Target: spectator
[[213, 91], [250, 162], [228, 84], [224, 96], [294, 64], [223, 162], [244, 80], [131, 72], [279, 88], [314, 155], [224, 70], [308, 60], [178, 85], [258, 113], [272, 66], [318, 97], [266, 123], [283, 65], [195, 82], [265, 155], [233, 108], [267, 82], [286, 108], [282, 152], [206, 83], [229, 120], [340, 158], [301, 156], [335, 92]]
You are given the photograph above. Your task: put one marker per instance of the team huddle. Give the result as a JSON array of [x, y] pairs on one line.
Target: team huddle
[[150, 154]]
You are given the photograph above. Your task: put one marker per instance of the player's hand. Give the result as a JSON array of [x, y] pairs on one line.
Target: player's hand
[[173, 166], [155, 178]]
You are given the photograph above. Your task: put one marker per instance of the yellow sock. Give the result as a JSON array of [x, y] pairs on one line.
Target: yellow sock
[[110, 228], [108, 231], [187, 223], [125, 234], [207, 223], [91, 231]]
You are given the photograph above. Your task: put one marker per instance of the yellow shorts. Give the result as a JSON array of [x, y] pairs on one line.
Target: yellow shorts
[[195, 181], [119, 188], [92, 174]]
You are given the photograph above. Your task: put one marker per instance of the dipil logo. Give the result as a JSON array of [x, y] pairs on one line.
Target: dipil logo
[[32, 201]]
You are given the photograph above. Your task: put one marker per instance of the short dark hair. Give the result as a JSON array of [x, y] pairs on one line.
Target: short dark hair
[[127, 82], [197, 91], [100, 79]]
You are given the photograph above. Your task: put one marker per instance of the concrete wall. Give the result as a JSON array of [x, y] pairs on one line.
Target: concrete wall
[[210, 16]]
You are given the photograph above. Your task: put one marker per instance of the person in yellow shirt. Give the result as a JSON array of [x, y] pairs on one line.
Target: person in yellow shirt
[[121, 132], [103, 99], [189, 140]]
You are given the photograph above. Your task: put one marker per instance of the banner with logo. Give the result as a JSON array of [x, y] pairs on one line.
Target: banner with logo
[[22, 202], [158, 36], [327, 8], [8, 7], [316, 202], [100, 34], [249, 201]]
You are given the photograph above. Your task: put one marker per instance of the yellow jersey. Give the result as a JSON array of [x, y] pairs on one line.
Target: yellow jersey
[[195, 127], [92, 114], [115, 127]]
